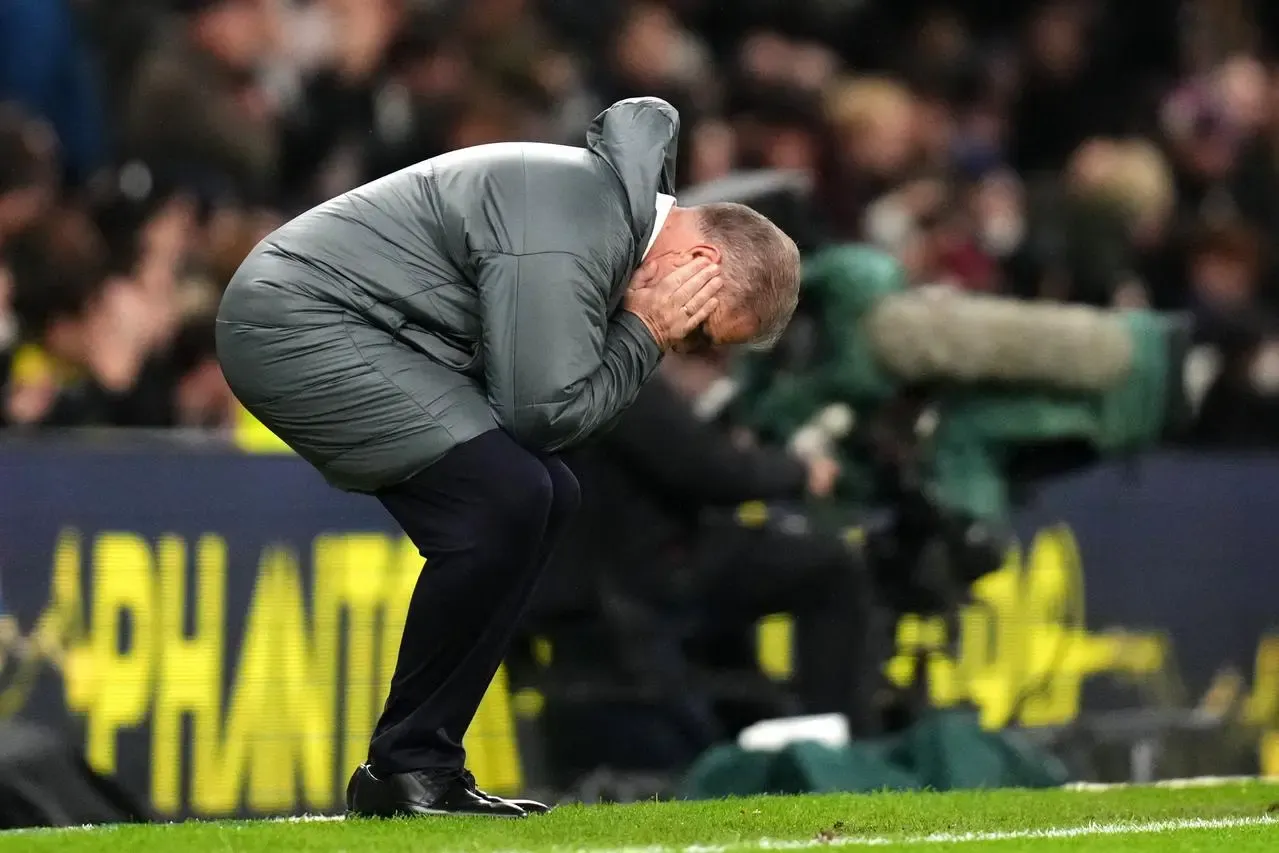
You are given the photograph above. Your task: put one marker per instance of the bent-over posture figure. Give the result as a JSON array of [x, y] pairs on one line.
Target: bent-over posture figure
[[435, 337]]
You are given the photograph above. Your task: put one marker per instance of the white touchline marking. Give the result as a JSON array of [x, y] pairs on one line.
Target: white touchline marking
[[878, 841], [1175, 784], [1152, 828]]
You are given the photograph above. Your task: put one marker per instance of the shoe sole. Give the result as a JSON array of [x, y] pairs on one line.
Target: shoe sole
[[420, 812], [543, 809], [535, 812], [435, 813]]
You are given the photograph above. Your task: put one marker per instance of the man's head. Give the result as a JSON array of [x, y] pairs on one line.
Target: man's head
[[60, 270], [760, 268]]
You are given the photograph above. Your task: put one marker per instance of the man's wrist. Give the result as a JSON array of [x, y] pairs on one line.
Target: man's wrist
[[649, 328], [631, 326]]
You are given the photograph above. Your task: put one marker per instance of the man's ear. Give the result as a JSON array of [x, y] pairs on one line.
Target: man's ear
[[707, 251]]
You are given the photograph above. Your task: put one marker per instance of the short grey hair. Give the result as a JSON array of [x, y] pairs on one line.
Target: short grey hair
[[758, 258]]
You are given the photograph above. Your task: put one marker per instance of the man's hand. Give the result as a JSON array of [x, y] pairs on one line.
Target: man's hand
[[118, 336], [823, 474], [29, 402], [677, 303]]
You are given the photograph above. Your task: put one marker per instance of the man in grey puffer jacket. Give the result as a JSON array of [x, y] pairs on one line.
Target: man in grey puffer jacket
[[433, 338]]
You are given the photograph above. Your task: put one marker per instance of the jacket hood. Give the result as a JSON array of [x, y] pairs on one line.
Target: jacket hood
[[637, 138]]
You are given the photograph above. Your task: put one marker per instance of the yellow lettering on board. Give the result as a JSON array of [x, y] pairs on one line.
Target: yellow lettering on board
[[222, 766], [773, 639], [1270, 755], [996, 645], [1023, 653], [62, 628], [57, 638], [156, 638], [1059, 651], [349, 577], [270, 770], [189, 676], [1024, 650], [296, 736], [1262, 706], [123, 590]]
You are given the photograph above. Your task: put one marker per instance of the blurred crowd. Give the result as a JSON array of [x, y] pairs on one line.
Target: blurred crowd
[[1104, 152]]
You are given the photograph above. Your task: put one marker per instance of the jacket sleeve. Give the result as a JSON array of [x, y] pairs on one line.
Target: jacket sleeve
[[665, 443], [557, 367]]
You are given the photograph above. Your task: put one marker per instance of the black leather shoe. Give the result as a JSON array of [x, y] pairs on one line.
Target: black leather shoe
[[409, 794], [529, 806]]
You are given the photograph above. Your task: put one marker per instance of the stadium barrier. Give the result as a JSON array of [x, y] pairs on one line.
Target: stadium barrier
[[218, 629]]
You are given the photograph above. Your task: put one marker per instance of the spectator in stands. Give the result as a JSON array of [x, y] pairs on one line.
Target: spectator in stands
[[197, 108], [88, 334], [1071, 152], [45, 68], [28, 172], [1225, 264], [1237, 342], [712, 151], [343, 106], [1088, 233], [8, 321], [875, 122], [784, 128], [1241, 408], [653, 53], [428, 79], [201, 397]]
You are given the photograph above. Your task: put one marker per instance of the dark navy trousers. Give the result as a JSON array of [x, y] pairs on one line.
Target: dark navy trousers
[[485, 518]]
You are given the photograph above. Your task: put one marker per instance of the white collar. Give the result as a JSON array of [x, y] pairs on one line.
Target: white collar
[[664, 205]]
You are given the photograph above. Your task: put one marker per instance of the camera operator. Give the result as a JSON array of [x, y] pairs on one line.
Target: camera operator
[[659, 493]]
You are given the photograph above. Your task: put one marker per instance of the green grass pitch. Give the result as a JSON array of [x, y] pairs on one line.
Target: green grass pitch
[[1238, 817]]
